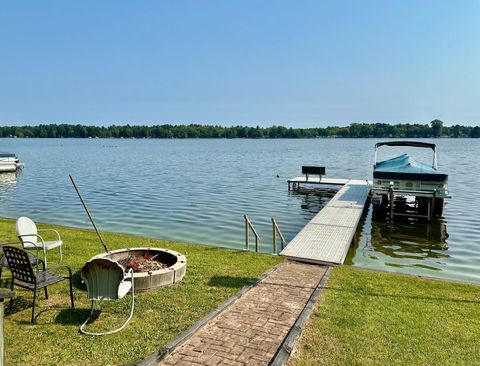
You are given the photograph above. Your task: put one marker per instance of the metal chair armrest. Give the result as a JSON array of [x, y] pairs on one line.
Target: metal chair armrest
[[41, 261], [11, 243], [37, 235], [53, 269], [52, 230]]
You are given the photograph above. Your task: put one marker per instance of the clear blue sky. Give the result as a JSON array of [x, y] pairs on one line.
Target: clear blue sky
[[296, 63]]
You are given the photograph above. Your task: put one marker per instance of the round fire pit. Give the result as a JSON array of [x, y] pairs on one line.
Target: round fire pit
[[142, 261]]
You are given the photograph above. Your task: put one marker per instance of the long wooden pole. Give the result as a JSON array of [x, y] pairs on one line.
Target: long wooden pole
[[89, 215]]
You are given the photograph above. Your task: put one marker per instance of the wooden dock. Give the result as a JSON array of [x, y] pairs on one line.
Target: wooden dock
[[327, 237]]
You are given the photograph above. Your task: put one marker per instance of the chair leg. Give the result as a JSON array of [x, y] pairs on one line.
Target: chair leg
[[33, 307], [45, 257], [71, 293], [82, 327], [60, 250], [11, 300], [46, 292]]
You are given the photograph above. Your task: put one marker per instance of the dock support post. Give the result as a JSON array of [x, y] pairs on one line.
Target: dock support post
[[390, 198], [433, 205]]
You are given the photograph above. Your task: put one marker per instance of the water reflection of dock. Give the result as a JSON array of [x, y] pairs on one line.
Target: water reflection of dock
[[313, 200]]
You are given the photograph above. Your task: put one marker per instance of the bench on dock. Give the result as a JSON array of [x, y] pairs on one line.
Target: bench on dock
[[313, 170], [314, 175]]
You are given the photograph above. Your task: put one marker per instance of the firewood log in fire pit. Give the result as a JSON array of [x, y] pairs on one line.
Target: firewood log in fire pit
[[142, 263]]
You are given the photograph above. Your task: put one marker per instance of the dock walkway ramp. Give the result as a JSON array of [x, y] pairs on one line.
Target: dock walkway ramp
[[327, 237]]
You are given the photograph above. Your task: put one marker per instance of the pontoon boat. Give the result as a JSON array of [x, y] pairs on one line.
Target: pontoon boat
[[9, 162], [400, 177]]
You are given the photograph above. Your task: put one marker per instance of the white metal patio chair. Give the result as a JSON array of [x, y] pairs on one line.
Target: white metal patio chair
[[106, 280], [29, 235]]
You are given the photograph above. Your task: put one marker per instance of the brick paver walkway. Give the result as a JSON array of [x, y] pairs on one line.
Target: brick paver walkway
[[251, 329]]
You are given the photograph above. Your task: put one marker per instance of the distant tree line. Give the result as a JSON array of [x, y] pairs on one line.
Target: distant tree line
[[435, 129]]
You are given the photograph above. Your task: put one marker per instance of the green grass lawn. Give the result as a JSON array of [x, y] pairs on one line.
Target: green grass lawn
[[213, 275], [373, 318]]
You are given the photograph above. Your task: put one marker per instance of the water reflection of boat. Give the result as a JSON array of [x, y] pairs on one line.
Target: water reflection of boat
[[407, 240], [9, 162], [8, 179]]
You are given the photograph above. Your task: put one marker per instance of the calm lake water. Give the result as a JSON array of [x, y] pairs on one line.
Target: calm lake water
[[198, 191]]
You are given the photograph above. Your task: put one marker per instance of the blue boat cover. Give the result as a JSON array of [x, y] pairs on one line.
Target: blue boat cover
[[6, 155], [405, 167]]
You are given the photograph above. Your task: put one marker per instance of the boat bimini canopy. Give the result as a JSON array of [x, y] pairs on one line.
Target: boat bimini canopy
[[409, 144]]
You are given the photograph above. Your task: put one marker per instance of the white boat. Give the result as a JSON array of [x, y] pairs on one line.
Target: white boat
[[9, 162]]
